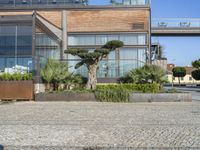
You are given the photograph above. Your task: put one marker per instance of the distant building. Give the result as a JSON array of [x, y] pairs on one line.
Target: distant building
[[188, 79], [161, 63]]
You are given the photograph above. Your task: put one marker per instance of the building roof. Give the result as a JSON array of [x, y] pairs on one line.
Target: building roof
[[188, 69]]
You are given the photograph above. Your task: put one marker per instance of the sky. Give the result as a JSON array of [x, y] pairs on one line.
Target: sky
[[179, 50]]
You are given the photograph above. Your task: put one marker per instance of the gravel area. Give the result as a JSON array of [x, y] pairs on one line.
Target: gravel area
[[98, 126]]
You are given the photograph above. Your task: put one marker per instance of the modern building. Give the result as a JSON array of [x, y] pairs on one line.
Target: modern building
[[31, 31]]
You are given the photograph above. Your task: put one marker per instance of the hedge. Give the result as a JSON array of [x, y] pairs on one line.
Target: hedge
[[112, 95], [145, 88]]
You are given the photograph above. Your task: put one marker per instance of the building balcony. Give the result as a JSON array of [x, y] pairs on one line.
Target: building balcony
[[29, 3]]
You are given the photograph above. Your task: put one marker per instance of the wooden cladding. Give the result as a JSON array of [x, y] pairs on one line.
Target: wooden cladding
[[108, 21], [53, 17], [113, 20]]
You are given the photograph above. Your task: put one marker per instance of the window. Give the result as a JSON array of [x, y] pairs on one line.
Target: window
[[127, 65], [182, 78], [190, 78], [15, 46], [113, 37], [134, 2], [128, 39], [101, 39], [128, 53], [81, 40], [142, 55]]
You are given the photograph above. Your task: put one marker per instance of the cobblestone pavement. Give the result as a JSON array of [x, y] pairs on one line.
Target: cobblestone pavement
[[51, 125]]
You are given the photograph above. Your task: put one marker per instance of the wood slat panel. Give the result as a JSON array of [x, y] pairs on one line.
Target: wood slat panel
[[107, 20]]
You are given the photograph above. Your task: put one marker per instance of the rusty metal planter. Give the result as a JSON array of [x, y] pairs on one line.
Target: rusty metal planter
[[16, 90]]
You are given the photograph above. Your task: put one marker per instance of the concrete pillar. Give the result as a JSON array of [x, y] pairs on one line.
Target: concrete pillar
[[64, 34]]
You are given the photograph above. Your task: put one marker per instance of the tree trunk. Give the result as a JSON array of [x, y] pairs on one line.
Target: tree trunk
[[92, 77], [48, 87], [179, 81]]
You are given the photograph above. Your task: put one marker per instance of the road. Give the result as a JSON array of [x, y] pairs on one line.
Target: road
[[193, 90]]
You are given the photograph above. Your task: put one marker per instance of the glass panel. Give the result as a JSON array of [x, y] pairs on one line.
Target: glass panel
[[113, 37], [128, 39], [101, 39], [141, 39], [112, 55], [107, 69], [112, 68], [128, 53], [126, 2], [81, 70], [81, 40], [7, 40], [127, 65], [2, 64], [142, 55], [16, 46], [24, 40], [138, 2]]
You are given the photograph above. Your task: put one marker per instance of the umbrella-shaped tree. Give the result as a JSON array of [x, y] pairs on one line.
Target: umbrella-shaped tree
[[196, 73], [92, 59], [179, 72]]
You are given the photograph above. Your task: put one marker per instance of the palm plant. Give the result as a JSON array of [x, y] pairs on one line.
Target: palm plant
[[47, 73], [146, 74]]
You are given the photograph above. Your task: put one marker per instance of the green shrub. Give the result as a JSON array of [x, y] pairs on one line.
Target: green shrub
[[16, 77], [27, 76], [107, 95], [145, 88], [5, 77]]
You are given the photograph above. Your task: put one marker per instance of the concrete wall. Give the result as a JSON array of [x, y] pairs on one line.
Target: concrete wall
[[162, 97]]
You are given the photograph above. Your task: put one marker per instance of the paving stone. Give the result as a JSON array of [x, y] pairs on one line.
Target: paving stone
[[92, 126]]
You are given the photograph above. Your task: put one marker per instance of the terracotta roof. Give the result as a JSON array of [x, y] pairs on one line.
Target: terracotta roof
[[170, 67]]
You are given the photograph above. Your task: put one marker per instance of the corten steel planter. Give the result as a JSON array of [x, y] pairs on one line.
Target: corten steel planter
[[16, 90]]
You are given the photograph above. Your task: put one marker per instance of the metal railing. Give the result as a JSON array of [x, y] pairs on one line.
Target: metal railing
[[24, 3], [176, 23], [29, 3]]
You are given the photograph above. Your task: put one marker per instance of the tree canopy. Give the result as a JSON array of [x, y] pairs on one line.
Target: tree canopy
[[196, 73], [179, 72], [196, 64], [91, 59]]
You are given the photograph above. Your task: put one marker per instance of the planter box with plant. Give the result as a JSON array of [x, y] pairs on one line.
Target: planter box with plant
[[16, 86]]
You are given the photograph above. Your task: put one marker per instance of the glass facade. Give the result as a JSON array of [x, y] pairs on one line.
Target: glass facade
[[45, 48], [118, 62], [135, 2], [15, 48], [128, 39]]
